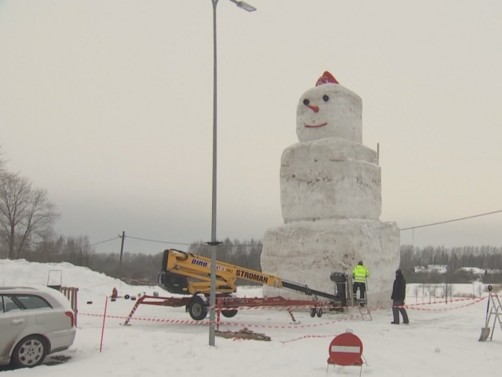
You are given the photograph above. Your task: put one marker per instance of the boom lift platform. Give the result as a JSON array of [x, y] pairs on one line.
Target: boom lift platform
[[190, 275], [344, 289]]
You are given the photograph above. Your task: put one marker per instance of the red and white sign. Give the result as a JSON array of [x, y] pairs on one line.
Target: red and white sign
[[346, 349]]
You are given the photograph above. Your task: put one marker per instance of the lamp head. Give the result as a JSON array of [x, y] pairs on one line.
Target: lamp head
[[244, 5]]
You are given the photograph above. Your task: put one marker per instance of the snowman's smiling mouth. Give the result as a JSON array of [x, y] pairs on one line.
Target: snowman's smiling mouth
[[315, 125]]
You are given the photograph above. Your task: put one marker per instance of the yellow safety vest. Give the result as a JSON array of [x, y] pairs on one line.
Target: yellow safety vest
[[360, 273]]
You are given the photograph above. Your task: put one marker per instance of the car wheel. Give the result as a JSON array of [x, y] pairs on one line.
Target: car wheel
[[29, 352]]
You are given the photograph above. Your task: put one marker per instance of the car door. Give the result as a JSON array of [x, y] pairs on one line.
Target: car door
[[12, 323]]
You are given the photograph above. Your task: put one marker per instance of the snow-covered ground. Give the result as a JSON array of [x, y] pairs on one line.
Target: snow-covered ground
[[440, 341]]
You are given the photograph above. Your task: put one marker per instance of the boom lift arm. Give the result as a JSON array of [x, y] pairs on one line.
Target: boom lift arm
[[189, 274]]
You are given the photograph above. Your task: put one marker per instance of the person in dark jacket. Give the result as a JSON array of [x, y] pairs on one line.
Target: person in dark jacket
[[398, 296]]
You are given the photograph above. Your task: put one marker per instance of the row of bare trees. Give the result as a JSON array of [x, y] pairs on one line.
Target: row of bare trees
[[432, 292], [485, 257]]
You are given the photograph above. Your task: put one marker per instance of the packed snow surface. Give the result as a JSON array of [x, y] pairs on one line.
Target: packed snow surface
[[440, 342]]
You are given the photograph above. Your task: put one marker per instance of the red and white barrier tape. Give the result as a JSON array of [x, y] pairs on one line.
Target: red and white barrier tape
[[307, 337], [276, 307], [413, 307], [193, 322], [290, 326], [328, 305], [446, 302], [175, 321]]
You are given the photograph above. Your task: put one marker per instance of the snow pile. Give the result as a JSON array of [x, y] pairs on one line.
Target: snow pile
[[438, 268], [21, 272]]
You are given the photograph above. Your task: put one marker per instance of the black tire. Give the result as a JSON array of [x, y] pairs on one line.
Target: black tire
[[319, 312], [197, 308], [313, 312], [29, 352], [127, 297], [229, 313]]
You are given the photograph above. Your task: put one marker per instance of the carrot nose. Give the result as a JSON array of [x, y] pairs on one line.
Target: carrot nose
[[315, 109]]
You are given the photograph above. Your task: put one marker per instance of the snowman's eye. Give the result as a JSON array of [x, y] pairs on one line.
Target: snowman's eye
[[306, 102], [325, 98]]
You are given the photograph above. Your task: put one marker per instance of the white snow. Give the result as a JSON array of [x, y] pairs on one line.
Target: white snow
[[308, 252], [440, 269], [330, 178], [341, 113], [331, 201], [436, 343]]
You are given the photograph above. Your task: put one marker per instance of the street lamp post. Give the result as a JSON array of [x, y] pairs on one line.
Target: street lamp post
[[213, 243]]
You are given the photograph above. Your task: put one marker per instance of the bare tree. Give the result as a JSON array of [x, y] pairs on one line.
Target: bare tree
[[422, 287], [25, 214], [448, 290], [481, 289], [2, 164], [429, 291], [433, 291], [415, 290]]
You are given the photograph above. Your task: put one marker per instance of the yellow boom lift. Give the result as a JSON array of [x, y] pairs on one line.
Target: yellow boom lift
[[189, 274]]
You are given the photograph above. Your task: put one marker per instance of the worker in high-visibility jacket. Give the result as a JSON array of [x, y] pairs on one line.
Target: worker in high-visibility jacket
[[360, 274]]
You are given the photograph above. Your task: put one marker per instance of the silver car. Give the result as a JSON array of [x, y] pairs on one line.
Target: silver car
[[34, 322]]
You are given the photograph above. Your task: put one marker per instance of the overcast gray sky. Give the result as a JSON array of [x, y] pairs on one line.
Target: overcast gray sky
[[108, 106]]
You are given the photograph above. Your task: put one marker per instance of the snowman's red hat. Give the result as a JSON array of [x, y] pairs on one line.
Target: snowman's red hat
[[326, 78]]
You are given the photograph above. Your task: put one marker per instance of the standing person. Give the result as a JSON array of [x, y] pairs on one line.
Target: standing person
[[360, 274], [398, 296]]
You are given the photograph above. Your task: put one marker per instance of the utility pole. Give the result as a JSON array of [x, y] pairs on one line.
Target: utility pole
[[121, 252]]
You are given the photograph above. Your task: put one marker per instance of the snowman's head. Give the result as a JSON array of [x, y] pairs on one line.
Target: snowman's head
[[329, 110]]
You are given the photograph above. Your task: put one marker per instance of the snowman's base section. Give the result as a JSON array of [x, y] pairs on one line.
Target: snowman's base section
[[308, 252]]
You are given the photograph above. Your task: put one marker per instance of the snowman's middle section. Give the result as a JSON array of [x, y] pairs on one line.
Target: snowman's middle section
[[330, 178]]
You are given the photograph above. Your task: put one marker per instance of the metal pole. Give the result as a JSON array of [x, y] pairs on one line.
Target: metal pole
[[213, 243], [121, 253]]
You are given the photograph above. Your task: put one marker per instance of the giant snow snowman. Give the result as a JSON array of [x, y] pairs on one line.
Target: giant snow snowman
[[331, 201]]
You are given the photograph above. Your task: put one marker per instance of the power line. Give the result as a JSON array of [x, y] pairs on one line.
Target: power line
[[450, 221], [158, 241], [97, 243], [170, 242], [410, 228]]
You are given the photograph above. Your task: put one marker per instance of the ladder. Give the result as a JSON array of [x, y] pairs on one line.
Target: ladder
[[362, 304], [364, 310], [496, 312]]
